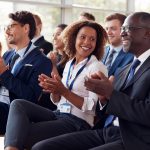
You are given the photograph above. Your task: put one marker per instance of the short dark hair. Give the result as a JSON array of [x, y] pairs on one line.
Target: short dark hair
[[88, 15], [25, 17], [118, 16], [144, 17], [62, 26]]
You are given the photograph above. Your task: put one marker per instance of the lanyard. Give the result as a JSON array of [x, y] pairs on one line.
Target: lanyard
[[79, 71]]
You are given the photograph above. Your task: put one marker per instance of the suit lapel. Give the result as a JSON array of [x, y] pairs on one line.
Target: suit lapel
[[121, 77], [26, 60], [9, 57], [106, 54], [117, 61], [145, 66]]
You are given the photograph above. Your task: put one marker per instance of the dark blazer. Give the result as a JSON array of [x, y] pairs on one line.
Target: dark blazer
[[132, 106], [43, 44], [23, 84], [121, 60]]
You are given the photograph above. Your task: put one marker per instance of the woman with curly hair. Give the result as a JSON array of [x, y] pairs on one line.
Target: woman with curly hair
[[29, 124]]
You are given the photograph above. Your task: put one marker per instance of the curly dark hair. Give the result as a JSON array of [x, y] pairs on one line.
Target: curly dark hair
[[25, 17], [69, 36]]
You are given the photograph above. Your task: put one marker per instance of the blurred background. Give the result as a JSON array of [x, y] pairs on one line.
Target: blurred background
[[54, 12]]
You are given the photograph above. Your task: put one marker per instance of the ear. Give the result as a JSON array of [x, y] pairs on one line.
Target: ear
[[147, 34], [26, 28]]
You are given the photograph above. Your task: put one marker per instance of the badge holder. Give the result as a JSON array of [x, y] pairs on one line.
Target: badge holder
[[65, 108]]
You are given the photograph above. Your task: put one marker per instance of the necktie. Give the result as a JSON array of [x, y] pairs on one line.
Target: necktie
[[15, 57], [109, 59], [109, 120], [132, 70]]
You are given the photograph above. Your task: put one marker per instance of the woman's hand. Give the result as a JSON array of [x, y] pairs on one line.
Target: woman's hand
[[51, 84], [53, 57]]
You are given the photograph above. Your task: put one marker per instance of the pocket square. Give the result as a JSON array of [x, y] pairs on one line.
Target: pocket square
[[28, 65]]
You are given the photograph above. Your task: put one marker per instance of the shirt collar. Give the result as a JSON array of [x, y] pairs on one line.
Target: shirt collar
[[36, 38], [117, 48], [143, 56], [21, 51]]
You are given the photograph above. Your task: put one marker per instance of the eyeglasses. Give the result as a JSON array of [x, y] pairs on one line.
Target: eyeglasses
[[130, 28], [10, 26]]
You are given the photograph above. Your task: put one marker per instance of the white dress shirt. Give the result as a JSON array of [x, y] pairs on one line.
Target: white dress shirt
[[87, 112]]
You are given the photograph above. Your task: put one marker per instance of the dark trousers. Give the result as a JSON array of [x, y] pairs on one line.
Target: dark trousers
[[101, 139], [4, 109], [29, 123]]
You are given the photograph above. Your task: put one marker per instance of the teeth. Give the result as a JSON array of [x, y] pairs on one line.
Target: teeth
[[85, 48]]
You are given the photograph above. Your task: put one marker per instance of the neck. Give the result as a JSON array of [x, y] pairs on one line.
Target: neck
[[79, 59], [116, 44], [22, 45]]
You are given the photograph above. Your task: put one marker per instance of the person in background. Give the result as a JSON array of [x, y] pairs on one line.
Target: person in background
[[86, 16], [58, 56], [84, 43], [39, 39], [59, 59], [127, 98], [19, 68], [114, 56]]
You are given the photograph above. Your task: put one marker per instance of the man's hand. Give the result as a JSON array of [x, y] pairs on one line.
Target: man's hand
[[100, 84]]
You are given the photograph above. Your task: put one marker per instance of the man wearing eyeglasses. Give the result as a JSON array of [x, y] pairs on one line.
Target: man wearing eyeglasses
[[19, 68], [129, 101], [114, 56]]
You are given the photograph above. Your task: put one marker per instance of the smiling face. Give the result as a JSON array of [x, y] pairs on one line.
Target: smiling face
[[134, 35], [113, 31], [85, 42], [57, 42], [16, 32]]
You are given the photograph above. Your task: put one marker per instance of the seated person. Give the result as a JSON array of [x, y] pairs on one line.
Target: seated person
[[29, 123]]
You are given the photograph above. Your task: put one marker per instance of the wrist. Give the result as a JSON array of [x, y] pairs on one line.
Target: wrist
[[2, 70]]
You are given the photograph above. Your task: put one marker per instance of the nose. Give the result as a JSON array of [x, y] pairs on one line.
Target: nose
[[86, 40], [109, 31], [123, 33]]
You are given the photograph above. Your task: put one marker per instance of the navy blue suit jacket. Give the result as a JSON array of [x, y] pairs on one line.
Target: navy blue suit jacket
[[121, 60], [23, 84]]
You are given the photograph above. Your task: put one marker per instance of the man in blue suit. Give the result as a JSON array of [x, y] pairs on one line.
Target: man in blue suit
[[114, 56], [19, 78]]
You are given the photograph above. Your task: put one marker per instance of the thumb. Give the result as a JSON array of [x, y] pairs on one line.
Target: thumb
[[102, 76], [111, 79], [57, 77]]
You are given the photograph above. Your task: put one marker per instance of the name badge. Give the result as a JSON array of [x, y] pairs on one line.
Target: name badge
[[65, 108], [4, 91]]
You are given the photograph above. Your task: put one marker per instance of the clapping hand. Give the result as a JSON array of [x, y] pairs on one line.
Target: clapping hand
[[51, 84], [100, 84]]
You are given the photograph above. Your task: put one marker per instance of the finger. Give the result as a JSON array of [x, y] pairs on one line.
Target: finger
[[111, 79], [102, 76], [95, 76], [57, 78]]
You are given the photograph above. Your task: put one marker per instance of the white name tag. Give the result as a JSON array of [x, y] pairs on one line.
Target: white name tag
[[65, 108], [4, 91]]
